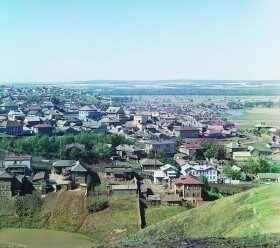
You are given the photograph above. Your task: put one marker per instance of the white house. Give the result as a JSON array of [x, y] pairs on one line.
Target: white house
[[166, 174], [87, 112], [201, 170]]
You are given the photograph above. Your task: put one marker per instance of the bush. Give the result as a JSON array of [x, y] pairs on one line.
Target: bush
[[28, 205], [96, 204]]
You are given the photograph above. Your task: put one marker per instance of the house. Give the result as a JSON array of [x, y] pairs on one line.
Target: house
[[125, 188], [48, 105], [33, 113], [186, 132], [31, 121], [14, 128], [94, 127], [208, 171], [129, 151], [166, 174], [75, 146], [18, 164], [16, 115], [6, 184], [140, 120], [115, 112], [67, 131], [161, 146], [214, 133], [263, 126], [39, 182], [62, 166], [110, 121], [269, 177], [190, 148], [154, 199], [8, 106], [172, 200], [79, 171], [225, 124], [123, 173], [44, 129], [235, 147], [87, 112], [188, 187], [241, 156], [150, 164], [273, 146], [53, 114]]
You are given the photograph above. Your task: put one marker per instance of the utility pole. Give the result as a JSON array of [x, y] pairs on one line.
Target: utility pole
[[60, 148], [155, 162]]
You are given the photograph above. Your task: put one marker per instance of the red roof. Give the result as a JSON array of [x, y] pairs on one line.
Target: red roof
[[13, 156], [181, 162], [42, 126], [194, 145], [188, 180], [6, 175]]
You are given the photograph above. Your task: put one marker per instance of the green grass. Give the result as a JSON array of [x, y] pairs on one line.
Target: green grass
[[42, 238], [255, 116], [244, 214], [4, 135], [155, 214], [66, 211], [121, 217]]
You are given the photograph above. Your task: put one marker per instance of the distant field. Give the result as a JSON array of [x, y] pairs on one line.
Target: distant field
[[251, 117]]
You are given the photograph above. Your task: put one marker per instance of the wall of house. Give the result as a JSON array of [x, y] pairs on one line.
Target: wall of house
[[27, 163], [5, 188], [192, 191], [164, 148], [211, 174]]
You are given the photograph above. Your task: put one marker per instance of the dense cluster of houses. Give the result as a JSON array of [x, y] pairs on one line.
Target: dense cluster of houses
[[21, 174], [154, 126], [26, 111]]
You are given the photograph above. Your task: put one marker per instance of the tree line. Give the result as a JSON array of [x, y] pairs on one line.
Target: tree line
[[97, 145]]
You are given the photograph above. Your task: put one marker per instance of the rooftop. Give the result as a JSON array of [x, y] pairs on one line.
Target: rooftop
[[188, 180]]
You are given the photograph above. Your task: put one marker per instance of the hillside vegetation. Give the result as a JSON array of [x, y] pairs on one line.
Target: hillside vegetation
[[245, 214], [66, 211]]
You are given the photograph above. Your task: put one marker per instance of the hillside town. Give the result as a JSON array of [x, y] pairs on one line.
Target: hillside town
[[171, 153]]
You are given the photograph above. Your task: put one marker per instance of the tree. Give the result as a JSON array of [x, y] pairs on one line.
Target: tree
[[117, 139], [101, 151], [92, 180], [179, 141], [255, 166], [204, 180], [231, 173], [155, 154], [213, 150]]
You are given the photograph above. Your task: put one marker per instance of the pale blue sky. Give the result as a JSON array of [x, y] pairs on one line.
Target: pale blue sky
[[65, 40]]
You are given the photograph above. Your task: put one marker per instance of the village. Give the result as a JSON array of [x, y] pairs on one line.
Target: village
[[175, 154]]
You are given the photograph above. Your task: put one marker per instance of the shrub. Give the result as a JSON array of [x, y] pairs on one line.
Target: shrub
[[96, 204], [28, 205]]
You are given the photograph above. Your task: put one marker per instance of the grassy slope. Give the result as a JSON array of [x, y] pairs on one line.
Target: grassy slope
[[228, 217], [65, 211], [120, 218], [155, 214]]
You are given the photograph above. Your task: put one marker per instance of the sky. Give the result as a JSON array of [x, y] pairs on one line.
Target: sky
[[69, 40]]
